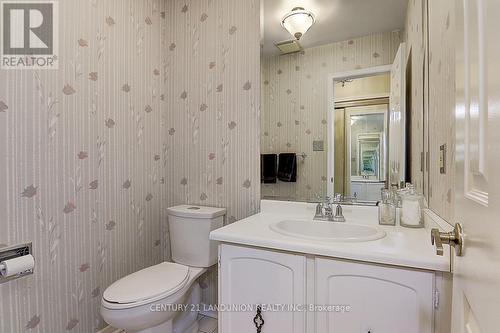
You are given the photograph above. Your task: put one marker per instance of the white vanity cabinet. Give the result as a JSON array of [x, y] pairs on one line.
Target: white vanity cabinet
[[375, 298], [366, 190], [250, 276], [380, 298]]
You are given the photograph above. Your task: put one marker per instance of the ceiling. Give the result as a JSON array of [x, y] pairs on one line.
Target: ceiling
[[336, 20]]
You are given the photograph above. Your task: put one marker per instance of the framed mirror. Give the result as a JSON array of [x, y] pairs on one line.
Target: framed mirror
[[333, 112]]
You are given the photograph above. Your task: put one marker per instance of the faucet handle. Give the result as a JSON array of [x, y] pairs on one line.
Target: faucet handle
[[339, 216], [319, 207]]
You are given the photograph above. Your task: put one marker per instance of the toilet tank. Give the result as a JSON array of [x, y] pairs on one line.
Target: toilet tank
[[190, 226]]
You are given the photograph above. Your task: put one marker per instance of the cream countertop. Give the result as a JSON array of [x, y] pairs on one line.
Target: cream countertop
[[400, 247]]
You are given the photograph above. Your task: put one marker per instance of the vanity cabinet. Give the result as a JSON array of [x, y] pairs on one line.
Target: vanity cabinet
[[367, 190], [366, 298], [249, 277], [380, 298]]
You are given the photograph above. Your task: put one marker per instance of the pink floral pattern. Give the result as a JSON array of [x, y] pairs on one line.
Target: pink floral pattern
[[145, 112], [71, 147], [294, 115]]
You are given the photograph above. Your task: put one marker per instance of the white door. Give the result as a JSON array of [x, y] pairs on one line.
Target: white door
[[250, 277], [476, 289]]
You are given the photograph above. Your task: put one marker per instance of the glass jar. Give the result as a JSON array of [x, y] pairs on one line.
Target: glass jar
[[412, 204], [387, 208]]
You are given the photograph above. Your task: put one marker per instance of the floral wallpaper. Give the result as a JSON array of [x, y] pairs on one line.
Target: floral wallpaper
[[430, 48], [442, 106], [212, 148], [295, 104], [416, 45], [150, 107]]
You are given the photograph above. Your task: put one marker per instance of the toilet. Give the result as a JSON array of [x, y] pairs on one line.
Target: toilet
[[163, 298]]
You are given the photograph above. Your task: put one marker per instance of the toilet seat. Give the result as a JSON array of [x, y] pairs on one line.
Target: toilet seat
[[146, 286]]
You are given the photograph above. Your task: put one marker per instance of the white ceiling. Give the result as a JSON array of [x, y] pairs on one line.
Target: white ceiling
[[336, 20]]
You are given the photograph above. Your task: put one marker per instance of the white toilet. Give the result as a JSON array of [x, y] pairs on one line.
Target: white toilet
[[148, 301]]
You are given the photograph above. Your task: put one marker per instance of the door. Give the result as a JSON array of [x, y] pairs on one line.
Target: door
[[476, 289], [397, 120], [372, 298], [250, 277]]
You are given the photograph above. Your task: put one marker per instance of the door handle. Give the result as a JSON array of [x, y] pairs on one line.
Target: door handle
[[453, 238], [436, 240]]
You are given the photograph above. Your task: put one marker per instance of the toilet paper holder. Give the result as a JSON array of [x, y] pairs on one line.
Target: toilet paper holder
[[15, 251]]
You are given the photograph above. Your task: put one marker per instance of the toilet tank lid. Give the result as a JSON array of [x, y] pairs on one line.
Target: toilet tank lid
[[195, 211]]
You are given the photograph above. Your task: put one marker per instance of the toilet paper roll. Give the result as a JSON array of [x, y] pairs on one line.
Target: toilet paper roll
[[17, 265]]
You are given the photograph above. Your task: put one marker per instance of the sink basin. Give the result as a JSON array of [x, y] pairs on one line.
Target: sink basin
[[328, 231]]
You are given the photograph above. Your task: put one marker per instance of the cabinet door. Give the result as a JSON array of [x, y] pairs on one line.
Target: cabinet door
[[250, 277], [359, 189], [381, 299]]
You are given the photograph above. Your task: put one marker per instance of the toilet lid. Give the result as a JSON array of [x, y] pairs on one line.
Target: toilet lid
[[163, 279]]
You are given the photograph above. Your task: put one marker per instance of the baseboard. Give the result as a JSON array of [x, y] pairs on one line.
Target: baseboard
[[109, 329]]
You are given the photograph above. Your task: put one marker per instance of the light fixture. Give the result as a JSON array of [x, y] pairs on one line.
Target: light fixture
[[298, 21]]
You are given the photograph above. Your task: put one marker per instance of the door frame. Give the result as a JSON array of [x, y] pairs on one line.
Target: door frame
[[332, 78]]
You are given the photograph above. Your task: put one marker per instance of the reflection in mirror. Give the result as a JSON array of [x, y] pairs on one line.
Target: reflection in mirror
[[363, 133], [332, 103]]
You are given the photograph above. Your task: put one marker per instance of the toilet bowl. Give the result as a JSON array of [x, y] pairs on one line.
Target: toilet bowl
[[164, 298], [143, 302]]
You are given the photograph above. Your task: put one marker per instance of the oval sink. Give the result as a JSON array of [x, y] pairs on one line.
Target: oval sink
[[328, 231]]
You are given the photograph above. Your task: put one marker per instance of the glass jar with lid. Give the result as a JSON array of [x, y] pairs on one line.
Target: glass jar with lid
[[412, 204], [387, 208]]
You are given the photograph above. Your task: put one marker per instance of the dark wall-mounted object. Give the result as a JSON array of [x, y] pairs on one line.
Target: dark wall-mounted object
[[268, 168], [287, 167]]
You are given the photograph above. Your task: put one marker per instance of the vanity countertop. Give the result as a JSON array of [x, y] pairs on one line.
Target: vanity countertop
[[401, 246]]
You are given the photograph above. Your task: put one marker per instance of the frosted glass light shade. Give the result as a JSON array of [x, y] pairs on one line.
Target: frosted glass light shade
[[298, 21]]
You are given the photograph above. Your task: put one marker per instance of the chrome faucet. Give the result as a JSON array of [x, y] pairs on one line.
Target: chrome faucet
[[324, 210]]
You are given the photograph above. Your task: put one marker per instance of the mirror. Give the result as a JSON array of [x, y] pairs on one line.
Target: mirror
[[333, 114], [361, 127]]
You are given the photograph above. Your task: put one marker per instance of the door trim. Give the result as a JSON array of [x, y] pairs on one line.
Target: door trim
[[354, 74]]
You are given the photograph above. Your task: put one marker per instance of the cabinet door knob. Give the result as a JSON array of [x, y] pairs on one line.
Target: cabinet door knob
[[258, 320]]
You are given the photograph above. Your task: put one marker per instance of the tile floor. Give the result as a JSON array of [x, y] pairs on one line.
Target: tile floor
[[207, 324]]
